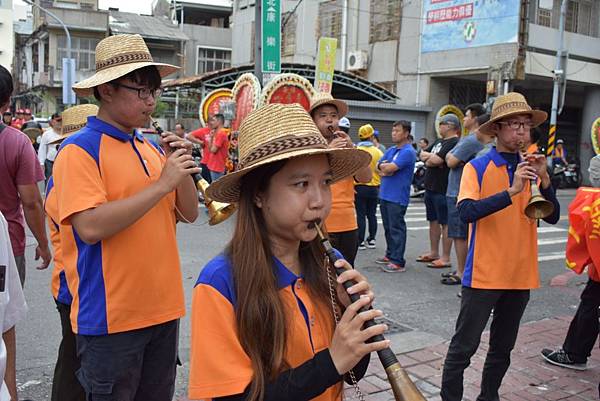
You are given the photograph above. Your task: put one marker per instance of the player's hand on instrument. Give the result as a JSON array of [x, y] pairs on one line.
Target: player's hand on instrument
[[179, 165], [348, 345], [538, 162], [171, 142], [362, 286], [523, 173]]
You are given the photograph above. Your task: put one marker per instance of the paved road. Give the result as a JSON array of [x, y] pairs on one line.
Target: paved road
[[422, 310]]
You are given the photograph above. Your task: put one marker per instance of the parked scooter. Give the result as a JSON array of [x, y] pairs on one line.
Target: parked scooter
[[566, 176], [417, 188]]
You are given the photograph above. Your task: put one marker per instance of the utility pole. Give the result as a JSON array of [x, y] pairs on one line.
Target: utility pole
[[258, 40], [558, 77], [67, 77]]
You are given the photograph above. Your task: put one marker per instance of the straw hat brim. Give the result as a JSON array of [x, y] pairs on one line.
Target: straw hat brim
[[537, 118], [86, 87], [344, 163], [340, 105]]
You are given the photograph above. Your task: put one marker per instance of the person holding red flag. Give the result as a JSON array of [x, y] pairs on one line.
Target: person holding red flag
[[583, 250]]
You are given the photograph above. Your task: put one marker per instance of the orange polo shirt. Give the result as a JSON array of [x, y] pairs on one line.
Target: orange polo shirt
[[503, 248], [219, 366], [58, 285], [343, 213], [132, 279]]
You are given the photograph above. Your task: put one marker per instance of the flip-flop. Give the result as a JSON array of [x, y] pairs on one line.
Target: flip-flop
[[452, 280], [449, 274], [438, 264], [425, 259]]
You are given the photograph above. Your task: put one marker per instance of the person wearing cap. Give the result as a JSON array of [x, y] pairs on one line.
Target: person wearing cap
[[436, 183], [367, 194], [341, 224], [18, 120], [467, 149], [560, 153], [115, 190], [583, 252], [377, 143], [282, 278], [502, 260], [344, 125], [21, 201], [396, 168], [65, 385], [46, 152]]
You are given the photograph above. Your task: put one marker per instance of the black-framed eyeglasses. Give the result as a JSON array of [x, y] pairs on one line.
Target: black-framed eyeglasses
[[143, 93], [517, 124]]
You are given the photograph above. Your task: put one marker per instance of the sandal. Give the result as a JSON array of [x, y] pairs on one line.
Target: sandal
[[425, 258], [449, 274], [452, 280], [438, 264]]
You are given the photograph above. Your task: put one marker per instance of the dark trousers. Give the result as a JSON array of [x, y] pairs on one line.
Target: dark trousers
[[583, 330], [394, 226], [347, 243], [366, 200], [48, 169], [205, 173], [65, 386], [475, 308], [137, 365]]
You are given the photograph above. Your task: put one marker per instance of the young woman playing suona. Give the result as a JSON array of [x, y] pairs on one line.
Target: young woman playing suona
[[263, 320]]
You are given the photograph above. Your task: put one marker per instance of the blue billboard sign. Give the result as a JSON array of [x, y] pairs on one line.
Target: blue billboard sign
[[460, 24]]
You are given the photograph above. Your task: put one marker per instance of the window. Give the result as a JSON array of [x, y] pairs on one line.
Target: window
[[212, 59], [82, 50], [330, 20], [571, 22], [544, 13], [385, 20], [288, 34]]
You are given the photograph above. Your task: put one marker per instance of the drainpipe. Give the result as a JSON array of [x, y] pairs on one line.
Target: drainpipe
[[344, 33]]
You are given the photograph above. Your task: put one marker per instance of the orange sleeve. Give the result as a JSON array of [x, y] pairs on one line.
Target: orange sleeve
[[77, 181], [218, 364], [469, 185]]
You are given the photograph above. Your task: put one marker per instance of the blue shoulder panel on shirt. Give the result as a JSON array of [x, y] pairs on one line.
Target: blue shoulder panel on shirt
[[480, 165], [88, 140], [218, 274]]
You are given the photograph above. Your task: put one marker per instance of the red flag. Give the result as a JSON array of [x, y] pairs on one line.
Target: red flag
[[583, 244]]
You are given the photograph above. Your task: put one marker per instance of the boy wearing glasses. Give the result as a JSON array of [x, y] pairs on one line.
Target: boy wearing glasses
[[501, 266], [113, 187]]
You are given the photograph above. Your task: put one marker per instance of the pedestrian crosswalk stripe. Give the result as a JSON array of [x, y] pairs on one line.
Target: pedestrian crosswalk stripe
[[542, 230], [552, 241], [551, 256]]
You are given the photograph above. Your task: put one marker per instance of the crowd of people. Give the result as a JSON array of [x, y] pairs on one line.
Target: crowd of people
[[270, 318]]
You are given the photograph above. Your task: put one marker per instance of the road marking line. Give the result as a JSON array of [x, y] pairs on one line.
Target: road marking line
[[542, 230], [551, 241], [551, 256]]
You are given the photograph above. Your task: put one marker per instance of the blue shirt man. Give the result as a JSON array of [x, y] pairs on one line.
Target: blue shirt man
[[396, 169]]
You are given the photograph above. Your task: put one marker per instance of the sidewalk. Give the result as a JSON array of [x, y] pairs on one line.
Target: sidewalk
[[529, 377]]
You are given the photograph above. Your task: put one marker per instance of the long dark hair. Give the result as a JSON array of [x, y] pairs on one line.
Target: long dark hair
[[256, 286]]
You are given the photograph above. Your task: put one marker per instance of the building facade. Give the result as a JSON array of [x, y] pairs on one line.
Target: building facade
[[431, 53], [7, 45]]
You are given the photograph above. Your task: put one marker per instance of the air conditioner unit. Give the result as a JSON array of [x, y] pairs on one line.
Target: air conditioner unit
[[357, 60]]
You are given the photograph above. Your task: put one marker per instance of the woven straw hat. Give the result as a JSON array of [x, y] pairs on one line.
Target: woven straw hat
[[117, 56], [280, 132], [74, 118], [511, 104], [323, 98]]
